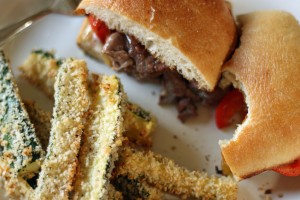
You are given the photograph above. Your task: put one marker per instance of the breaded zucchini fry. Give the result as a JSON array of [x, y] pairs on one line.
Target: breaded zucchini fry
[[19, 147], [101, 139], [70, 109], [167, 176], [139, 124], [41, 67], [16, 187], [113, 193], [20, 151], [41, 121], [135, 188]]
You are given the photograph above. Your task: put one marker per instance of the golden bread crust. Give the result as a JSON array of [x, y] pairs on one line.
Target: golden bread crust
[[203, 31], [267, 67]]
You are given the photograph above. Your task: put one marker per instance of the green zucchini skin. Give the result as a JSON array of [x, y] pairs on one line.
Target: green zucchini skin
[[69, 115], [101, 140], [19, 147], [41, 67]]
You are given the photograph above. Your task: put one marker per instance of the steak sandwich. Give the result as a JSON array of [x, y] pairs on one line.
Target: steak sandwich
[[182, 44], [266, 68]]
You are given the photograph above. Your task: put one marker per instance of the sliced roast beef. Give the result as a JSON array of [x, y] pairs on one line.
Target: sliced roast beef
[[147, 67], [186, 109], [175, 85], [130, 56], [116, 48]]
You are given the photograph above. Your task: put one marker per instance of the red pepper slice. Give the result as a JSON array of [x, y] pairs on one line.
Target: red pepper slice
[[292, 169], [100, 28], [231, 104]]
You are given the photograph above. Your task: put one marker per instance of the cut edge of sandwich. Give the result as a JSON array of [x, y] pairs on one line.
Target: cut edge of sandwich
[[161, 48], [231, 79]]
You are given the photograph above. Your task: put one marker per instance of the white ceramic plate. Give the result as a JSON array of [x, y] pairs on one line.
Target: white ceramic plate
[[194, 144]]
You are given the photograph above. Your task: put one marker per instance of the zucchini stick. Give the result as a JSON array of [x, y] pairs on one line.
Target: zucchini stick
[[19, 147], [113, 193], [20, 151], [40, 69], [101, 139], [135, 188], [139, 125], [70, 109], [41, 121], [17, 187], [164, 174]]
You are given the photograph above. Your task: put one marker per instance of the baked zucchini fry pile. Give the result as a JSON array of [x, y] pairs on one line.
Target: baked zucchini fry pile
[[20, 151], [69, 114], [95, 142], [40, 68], [101, 140]]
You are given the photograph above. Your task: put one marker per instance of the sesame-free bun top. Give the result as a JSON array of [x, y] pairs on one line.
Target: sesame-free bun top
[[193, 36], [266, 67]]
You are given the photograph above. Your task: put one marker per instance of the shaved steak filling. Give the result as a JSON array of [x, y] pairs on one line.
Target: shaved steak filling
[[130, 56]]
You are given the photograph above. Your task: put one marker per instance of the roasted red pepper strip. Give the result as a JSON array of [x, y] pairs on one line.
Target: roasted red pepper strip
[[292, 169], [100, 28], [231, 104]]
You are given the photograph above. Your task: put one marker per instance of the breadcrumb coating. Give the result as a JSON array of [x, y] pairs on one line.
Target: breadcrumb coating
[[19, 147], [20, 151], [40, 68], [15, 187], [164, 174], [41, 121], [70, 109], [101, 140]]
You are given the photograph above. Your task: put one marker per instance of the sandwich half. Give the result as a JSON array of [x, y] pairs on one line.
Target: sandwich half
[[183, 44], [266, 69]]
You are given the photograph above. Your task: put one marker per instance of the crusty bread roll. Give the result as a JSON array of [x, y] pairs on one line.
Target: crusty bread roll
[[266, 67], [194, 36]]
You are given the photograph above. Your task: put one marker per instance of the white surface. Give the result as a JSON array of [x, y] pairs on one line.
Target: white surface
[[196, 143]]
